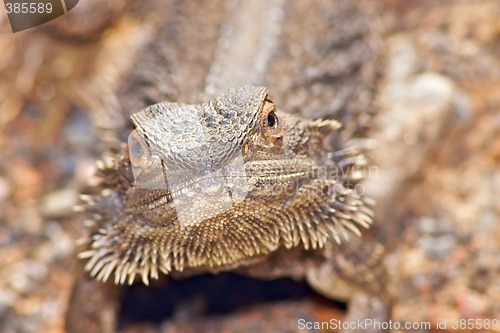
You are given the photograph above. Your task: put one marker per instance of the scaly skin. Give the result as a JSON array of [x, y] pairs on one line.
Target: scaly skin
[[286, 196], [212, 185], [230, 184]]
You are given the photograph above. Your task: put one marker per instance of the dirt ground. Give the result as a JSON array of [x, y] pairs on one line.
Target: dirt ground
[[439, 211]]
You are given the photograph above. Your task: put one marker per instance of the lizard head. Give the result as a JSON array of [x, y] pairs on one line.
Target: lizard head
[[215, 184]]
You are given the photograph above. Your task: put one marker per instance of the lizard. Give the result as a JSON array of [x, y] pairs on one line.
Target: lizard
[[230, 184], [310, 73], [234, 183]]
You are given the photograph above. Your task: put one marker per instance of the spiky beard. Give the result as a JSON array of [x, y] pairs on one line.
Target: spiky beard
[[126, 243]]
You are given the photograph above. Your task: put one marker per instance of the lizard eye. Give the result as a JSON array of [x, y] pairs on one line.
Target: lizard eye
[[271, 124], [272, 120], [136, 149]]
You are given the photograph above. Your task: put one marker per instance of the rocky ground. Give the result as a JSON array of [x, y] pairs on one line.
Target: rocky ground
[[439, 111]]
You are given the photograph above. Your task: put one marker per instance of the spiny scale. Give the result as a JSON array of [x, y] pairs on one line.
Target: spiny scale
[[137, 232]]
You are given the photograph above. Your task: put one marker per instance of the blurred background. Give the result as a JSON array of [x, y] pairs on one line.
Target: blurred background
[[436, 142]]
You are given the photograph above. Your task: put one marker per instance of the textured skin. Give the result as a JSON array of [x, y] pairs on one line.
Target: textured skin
[[167, 209], [318, 61]]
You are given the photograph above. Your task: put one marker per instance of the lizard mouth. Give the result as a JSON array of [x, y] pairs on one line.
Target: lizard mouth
[[198, 196], [236, 174]]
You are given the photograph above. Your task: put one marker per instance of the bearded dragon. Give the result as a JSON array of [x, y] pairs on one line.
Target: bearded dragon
[[234, 181], [230, 184]]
